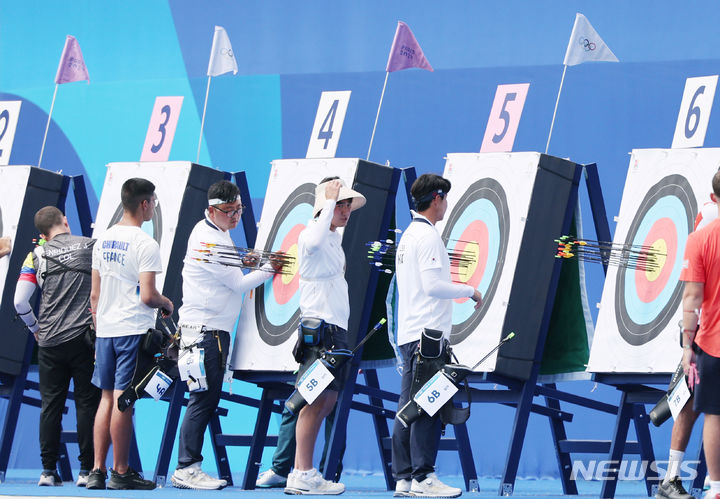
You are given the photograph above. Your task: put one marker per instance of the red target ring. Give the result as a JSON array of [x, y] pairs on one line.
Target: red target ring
[[663, 238], [473, 245], [286, 285]]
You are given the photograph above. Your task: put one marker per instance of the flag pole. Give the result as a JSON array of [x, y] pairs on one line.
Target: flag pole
[[202, 122], [372, 137], [47, 126], [552, 123]]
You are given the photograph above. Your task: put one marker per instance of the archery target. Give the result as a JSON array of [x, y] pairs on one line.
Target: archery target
[[13, 183], [278, 311], [267, 328], [484, 222], [170, 179], [640, 308]]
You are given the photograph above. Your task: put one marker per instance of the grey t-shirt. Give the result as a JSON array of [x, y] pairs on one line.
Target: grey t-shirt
[[63, 267]]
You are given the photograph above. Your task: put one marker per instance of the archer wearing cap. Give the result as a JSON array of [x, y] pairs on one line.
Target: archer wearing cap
[[323, 296]]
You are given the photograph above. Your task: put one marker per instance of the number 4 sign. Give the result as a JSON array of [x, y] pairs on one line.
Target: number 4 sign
[[161, 130], [504, 117], [694, 112], [328, 124]]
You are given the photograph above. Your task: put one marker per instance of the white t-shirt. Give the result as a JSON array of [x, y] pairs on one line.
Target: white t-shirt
[[323, 289], [120, 255], [421, 249], [212, 293]]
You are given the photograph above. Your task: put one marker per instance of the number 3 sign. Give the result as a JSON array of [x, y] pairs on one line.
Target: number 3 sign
[[328, 124], [694, 112], [161, 130], [504, 117]]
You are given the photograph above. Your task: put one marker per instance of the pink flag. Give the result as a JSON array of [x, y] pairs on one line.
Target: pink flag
[[72, 66], [405, 51]]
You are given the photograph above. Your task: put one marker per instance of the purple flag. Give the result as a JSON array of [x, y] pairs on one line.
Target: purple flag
[[405, 51], [72, 66]]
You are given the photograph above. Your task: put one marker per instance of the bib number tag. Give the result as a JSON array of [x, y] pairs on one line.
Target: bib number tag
[[435, 393], [314, 381], [678, 397], [158, 384]]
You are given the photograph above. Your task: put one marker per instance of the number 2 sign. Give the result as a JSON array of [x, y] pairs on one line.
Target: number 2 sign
[[694, 112], [504, 117], [161, 130], [9, 112], [328, 124]]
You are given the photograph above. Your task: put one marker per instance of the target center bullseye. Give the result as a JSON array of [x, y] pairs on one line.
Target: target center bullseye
[[292, 267], [659, 247], [468, 261]]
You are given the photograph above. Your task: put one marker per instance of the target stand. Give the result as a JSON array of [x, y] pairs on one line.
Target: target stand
[[26, 190], [636, 347], [506, 210]]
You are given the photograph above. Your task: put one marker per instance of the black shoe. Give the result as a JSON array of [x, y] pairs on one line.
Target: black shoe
[[673, 489], [96, 479], [129, 480]]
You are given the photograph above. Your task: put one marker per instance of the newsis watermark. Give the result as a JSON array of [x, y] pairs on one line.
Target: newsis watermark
[[634, 469]]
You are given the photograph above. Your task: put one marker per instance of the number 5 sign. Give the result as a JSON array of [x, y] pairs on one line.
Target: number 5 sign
[[694, 112], [161, 130], [504, 117], [328, 124]]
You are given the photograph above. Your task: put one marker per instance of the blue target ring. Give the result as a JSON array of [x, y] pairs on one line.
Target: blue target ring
[[478, 226], [640, 319], [277, 322], [481, 209], [639, 311]]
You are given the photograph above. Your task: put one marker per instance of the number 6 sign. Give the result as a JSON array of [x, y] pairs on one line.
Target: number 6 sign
[[504, 117], [694, 112], [161, 130], [328, 124]]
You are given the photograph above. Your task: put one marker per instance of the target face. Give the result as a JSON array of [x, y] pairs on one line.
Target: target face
[[636, 329], [476, 233], [152, 227], [646, 300], [277, 308], [267, 328]]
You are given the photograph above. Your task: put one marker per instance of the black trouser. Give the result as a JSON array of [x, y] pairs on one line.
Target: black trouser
[[414, 449], [74, 360], [202, 405]]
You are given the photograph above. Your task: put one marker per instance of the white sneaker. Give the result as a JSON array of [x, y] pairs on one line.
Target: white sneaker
[[311, 483], [270, 479], [82, 479], [402, 488], [433, 487], [193, 477], [50, 479]]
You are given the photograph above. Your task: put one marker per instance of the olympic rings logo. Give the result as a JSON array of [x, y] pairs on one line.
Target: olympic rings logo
[[587, 44], [227, 52]]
